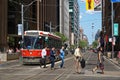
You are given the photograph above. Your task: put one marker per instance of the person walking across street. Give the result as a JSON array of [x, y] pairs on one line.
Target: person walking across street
[[43, 59], [100, 61], [52, 57], [78, 57], [62, 55]]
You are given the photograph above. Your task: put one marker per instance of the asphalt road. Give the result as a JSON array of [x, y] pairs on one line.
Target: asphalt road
[[13, 70]]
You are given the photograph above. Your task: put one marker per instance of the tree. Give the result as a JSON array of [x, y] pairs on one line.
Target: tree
[[63, 37], [95, 44], [83, 43]]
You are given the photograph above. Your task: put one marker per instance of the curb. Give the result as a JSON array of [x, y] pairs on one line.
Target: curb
[[113, 62], [116, 63]]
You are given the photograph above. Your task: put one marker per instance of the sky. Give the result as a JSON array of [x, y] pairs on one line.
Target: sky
[[89, 19]]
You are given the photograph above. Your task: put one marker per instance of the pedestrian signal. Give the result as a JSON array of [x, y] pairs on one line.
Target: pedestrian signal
[[89, 4]]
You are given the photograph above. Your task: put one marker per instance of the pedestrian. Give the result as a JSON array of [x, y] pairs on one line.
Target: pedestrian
[[78, 58], [52, 57], [43, 57], [100, 61], [62, 56]]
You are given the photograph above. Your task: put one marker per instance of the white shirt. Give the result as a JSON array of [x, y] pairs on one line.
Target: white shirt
[[78, 52], [43, 53]]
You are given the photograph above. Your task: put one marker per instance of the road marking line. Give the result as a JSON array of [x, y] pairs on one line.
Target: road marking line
[[88, 58]]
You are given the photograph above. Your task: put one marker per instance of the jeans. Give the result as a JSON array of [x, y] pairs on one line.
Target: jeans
[[52, 62], [43, 62], [62, 63]]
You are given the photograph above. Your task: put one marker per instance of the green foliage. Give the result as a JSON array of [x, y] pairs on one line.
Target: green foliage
[[63, 37], [72, 46], [95, 44], [83, 43]]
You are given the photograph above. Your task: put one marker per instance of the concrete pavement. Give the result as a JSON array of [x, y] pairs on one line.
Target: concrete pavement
[[17, 71]]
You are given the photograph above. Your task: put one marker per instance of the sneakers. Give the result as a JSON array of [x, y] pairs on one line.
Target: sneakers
[[102, 72], [52, 68]]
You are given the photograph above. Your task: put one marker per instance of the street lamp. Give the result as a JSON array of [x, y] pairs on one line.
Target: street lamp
[[55, 27], [50, 27]]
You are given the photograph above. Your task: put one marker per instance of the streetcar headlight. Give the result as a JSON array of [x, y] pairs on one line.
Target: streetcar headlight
[[30, 52]]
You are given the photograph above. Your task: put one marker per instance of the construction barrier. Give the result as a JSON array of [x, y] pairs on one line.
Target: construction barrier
[[5, 57]]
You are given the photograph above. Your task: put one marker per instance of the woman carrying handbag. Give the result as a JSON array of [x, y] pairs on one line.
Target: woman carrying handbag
[[78, 57], [100, 61]]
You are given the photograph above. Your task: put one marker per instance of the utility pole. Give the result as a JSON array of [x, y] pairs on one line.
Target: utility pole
[[92, 31], [50, 27], [38, 14], [22, 21], [112, 29]]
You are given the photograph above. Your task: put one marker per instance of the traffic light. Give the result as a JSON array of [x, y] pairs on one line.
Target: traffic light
[[89, 4]]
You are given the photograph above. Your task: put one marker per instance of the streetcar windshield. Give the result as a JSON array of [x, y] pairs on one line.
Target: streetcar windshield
[[33, 42]]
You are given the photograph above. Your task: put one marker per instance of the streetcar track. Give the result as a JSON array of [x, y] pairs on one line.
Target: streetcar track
[[41, 73], [65, 73]]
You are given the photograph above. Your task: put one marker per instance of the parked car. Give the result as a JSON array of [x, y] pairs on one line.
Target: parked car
[[95, 50]]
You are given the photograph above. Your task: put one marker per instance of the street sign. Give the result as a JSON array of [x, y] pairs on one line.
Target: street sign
[[19, 29], [115, 1], [115, 29], [97, 5]]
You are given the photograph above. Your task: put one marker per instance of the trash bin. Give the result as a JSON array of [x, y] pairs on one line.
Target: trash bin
[[118, 57], [109, 54]]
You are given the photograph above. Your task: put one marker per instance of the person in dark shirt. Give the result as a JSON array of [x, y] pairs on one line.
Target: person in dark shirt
[[52, 57]]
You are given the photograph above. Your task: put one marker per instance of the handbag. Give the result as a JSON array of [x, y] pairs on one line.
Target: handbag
[[101, 66], [82, 62]]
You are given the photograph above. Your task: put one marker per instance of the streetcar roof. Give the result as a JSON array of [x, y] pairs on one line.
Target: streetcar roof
[[41, 33]]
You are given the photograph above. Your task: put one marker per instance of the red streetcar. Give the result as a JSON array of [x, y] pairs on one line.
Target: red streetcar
[[34, 42]]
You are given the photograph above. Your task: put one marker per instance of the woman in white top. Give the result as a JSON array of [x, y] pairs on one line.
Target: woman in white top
[[78, 57]]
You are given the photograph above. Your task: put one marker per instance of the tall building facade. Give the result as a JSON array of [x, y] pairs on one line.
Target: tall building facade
[[64, 19], [74, 13], [11, 17], [107, 23], [49, 15]]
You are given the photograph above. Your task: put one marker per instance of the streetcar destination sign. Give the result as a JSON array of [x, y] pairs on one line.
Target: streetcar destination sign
[[115, 1]]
